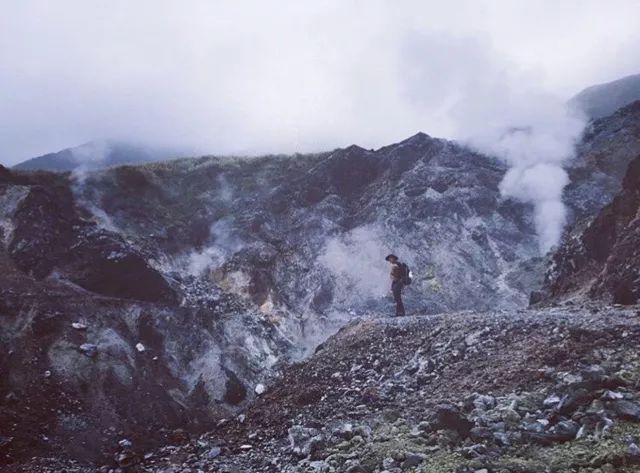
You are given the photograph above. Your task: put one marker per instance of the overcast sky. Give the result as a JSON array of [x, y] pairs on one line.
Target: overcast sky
[[284, 76]]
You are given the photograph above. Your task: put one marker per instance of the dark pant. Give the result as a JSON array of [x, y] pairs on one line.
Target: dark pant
[[396, 288]]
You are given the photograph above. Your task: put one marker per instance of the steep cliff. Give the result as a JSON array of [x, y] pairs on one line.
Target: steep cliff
[[600, 257]]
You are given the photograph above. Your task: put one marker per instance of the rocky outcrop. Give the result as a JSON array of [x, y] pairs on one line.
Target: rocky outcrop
[[94, 340], [50, 235], [600, 258], [602, 157]]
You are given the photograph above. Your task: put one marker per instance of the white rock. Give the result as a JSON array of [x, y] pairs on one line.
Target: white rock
[[612, 395], [551, 401], [125, 443], [79, 326], [260, 389], [140, 347], [89, 349]]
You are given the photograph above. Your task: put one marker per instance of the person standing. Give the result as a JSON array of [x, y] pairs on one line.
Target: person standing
[[399, 277]]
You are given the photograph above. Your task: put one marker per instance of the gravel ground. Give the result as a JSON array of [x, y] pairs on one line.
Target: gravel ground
[[555, 389]]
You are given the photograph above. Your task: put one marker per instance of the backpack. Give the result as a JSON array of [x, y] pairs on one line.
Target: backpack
[[406, 274]]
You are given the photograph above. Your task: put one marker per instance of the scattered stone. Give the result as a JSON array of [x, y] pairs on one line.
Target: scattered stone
[[626, 409], [356, 469], [449, 417], [304, 440], [125, 443], [484, 402], [88, 349], [79, 326], [551, 401], [411, 460], [140, 347], [126, 459], [612, 395], [11, 398], [214, 452], [260, 389]]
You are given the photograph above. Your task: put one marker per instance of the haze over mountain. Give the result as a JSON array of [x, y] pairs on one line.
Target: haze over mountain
[[95, 155], [238, 78], [601, 100]]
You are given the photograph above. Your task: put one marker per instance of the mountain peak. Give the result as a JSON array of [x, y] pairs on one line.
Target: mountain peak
[[418, 138]]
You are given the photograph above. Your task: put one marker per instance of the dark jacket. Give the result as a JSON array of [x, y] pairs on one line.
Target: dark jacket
[[397, 273]]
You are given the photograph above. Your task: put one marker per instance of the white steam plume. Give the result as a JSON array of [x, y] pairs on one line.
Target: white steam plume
[[85, 156], [356, 261], [535, 134]]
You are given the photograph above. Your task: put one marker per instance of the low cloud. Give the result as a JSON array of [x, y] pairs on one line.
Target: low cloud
[[251, 77], [535, 134]]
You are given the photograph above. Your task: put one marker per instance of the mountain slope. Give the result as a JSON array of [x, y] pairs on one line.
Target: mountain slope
[[601, 100], [600, 258], [602, 157], [522, 391], [328, 218], [224, 270], [94, 155]]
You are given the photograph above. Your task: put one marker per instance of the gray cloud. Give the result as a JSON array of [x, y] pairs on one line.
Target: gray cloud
[[253, 77]]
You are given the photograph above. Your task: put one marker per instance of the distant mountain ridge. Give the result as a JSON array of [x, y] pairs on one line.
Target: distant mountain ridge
[[95, 154], [602, 100]]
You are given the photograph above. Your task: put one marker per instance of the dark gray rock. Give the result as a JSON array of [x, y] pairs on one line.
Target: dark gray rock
[[626, 409], [412, 460], [450, 417]]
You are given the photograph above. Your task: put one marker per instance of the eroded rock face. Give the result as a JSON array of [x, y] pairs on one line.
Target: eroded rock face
[[299, 233], [600, 258], [50, 235], [77, 301], [608, 146]]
